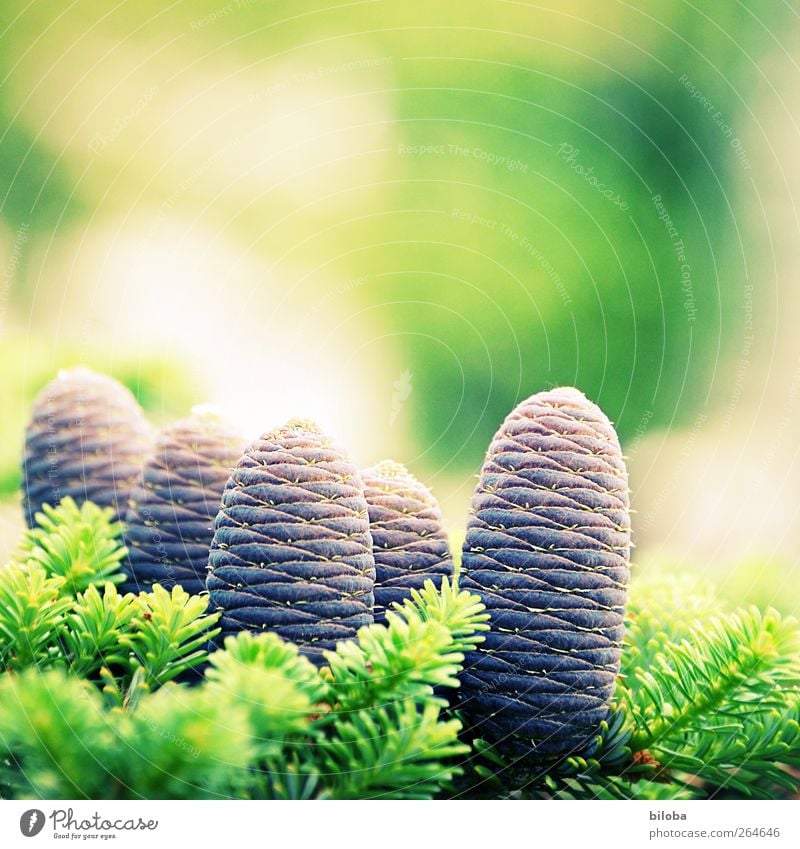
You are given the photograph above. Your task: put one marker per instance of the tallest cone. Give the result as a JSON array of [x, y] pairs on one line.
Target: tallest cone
[[548, 551]]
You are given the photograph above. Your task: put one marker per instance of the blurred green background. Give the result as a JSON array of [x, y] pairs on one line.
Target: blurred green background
[[402, 218]]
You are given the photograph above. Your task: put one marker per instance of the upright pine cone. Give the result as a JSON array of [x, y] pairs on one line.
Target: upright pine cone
[[547, 549], [86, 438], [408, 537], [172, 507], [292, 551]]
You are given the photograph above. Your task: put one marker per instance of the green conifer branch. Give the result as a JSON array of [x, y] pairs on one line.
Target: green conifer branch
[[421, 647], [399, 750], [92, 631], [742, 659], [54, 736], [159, 633], [461, 612], [31, 612], [265, 723], [170, 633], [721, 706], [273, 683], [708, 702], [662, 609], [79, 544]]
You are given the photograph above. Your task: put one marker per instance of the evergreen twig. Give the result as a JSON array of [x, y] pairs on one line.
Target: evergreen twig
[[708, 702], [79, 544]]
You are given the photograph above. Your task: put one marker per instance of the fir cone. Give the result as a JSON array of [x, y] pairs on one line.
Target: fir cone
[[169, 523], [292, 551], [408, 537], [86, 439], [547, 549]]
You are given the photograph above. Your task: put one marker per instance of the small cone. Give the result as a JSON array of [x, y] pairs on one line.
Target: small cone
[[408, 537], [169, 523], [292, 551], [86, 439]]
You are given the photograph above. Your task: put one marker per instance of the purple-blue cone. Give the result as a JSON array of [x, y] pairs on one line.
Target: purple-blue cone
[[170, 518], [408, 537], [292, 551], [86, 438], [548, 551]]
